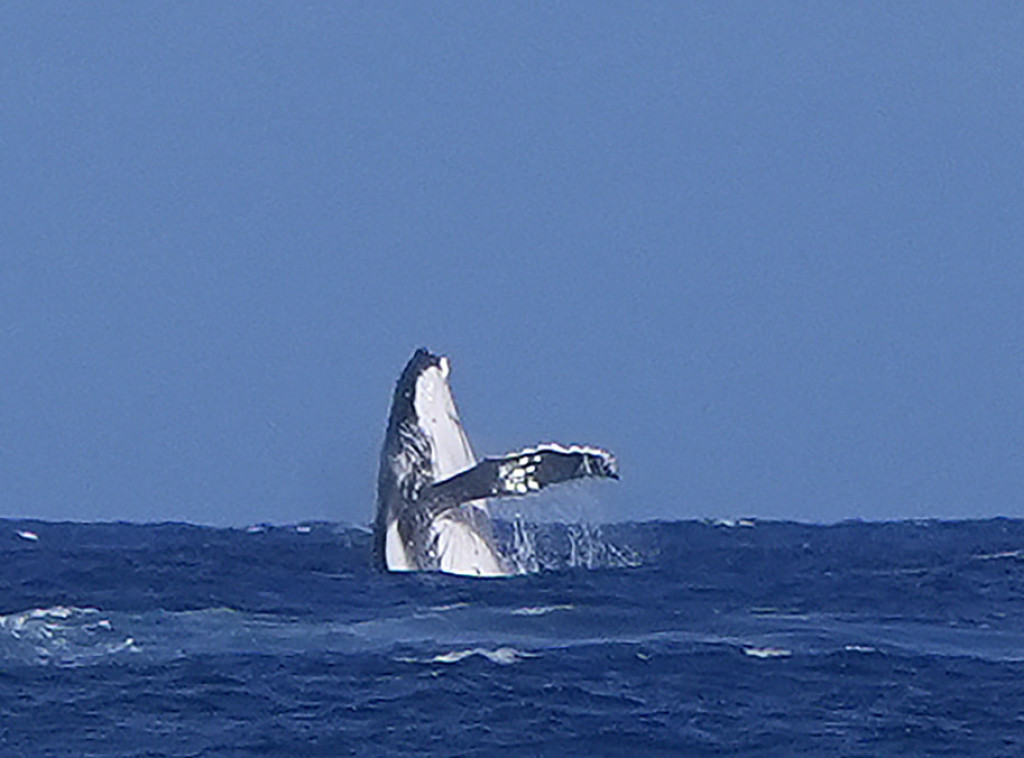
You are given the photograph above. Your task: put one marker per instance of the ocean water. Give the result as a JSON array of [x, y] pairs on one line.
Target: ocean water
[[680, 638]]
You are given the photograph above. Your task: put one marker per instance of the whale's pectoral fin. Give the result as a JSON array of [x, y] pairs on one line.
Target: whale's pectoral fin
[[520, 474]]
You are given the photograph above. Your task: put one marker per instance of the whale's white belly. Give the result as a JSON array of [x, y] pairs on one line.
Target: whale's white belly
[[462, 550], [394, 551]]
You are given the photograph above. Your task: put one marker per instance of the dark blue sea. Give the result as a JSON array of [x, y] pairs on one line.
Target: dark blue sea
[[682, 638]]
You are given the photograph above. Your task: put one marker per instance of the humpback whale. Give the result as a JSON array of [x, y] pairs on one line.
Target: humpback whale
[[432, 492]]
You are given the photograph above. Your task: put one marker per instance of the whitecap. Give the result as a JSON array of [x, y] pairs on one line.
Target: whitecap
[[27, 535], [449, 607], [767, 652], [860, 649], [730, 523], [541, 610], [1015, 554], [503, 656]]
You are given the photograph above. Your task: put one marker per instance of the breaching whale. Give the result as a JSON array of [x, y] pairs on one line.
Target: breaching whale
[[432, 492]]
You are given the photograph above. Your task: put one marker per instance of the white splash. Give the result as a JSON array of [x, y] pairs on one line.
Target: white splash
[[61, 635]]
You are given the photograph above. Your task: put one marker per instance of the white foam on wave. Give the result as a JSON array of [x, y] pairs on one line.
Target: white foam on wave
[[767, 652], [730, 523], [25, 534], [19, 624], [448, 607], [60, 635], [1014, 554], [541, 610], [503, 656], [860, 649]]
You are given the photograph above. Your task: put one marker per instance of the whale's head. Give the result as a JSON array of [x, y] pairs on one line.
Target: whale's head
[[426, 410]]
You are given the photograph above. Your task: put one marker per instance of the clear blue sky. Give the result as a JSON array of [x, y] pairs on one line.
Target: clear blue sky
[[772, 254]]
